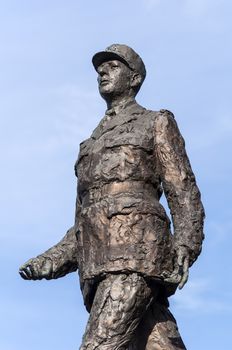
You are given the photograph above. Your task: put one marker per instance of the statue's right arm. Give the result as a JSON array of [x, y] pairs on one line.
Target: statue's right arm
[[56, 262]]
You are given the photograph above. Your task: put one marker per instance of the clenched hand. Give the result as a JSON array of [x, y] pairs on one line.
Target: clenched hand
[[37, 268]]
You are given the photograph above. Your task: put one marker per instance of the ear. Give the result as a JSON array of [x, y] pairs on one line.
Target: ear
[[136, 79]]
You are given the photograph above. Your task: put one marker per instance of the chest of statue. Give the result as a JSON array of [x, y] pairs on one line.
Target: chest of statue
[[119, 149]]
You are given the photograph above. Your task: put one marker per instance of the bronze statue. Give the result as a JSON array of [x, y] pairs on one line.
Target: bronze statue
[[128, 260]]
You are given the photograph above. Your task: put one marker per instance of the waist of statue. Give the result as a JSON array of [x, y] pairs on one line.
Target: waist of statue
[[138, 189]]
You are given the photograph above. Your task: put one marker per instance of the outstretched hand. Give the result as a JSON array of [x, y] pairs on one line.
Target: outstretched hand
[[37, 268]]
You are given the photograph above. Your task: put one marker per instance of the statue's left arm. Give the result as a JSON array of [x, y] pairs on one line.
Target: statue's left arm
[[182, 194]]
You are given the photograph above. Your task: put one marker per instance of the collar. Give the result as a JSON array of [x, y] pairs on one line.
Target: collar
[[120, 107], [124, 110]]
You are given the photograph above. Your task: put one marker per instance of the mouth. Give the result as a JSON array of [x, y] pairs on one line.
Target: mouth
[[104, 82]]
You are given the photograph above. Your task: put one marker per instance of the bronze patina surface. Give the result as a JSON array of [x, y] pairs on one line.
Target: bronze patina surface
[[128, 260]]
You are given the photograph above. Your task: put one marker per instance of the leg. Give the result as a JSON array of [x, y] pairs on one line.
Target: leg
[[158, 331], [119, 304]]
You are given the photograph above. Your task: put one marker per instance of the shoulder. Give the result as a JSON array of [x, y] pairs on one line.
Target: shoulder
[[166, 130], [164, 114], [162, 120], [161, 114]]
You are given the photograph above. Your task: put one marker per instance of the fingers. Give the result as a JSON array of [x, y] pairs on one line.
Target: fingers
[[183, 280], [24, 275], [36, 269], [185, 275], [25, 271], [175, 277], [180, 259], [47, 269]]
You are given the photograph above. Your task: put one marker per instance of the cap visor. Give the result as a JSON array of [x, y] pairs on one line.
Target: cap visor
[[104, 56]]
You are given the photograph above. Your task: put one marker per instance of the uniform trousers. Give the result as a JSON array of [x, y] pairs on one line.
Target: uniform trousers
[[126, 315]]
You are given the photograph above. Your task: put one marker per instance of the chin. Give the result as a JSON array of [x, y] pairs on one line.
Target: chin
[[105, 89], [105, 92]]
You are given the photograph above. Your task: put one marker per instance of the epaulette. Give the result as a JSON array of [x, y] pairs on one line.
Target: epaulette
[[166, 111]]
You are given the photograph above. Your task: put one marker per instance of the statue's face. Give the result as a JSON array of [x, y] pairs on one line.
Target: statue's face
[[114, 79]]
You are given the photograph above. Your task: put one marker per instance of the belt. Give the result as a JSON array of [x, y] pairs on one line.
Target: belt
[[126, 187]]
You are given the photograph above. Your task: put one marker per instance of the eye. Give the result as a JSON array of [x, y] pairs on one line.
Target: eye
[[113, 66]]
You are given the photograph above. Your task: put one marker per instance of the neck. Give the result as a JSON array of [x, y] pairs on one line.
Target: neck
[[119, 101]]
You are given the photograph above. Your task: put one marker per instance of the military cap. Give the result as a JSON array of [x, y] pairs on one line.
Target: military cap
[[122, 53]]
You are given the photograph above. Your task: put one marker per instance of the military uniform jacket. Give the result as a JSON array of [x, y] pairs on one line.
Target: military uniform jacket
[[131, 157]]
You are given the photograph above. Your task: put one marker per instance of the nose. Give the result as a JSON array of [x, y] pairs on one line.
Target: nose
[[102, 72], [102, 69]]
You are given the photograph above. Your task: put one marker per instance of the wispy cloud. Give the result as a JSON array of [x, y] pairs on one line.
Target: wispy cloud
[[210, 131], [219, 231], [189, 8], [197, 7], [78, 112], [206, 8], [197, 296], [54, 118], [152, 3]]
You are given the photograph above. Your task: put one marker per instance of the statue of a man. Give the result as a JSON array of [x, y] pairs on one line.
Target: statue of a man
[[128, 260]]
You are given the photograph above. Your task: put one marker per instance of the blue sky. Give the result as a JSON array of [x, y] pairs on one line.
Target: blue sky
[[49, 104]]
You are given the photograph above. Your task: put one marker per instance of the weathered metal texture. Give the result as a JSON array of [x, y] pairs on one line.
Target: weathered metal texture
[[128, 260], [125, 316], [121, 225]]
